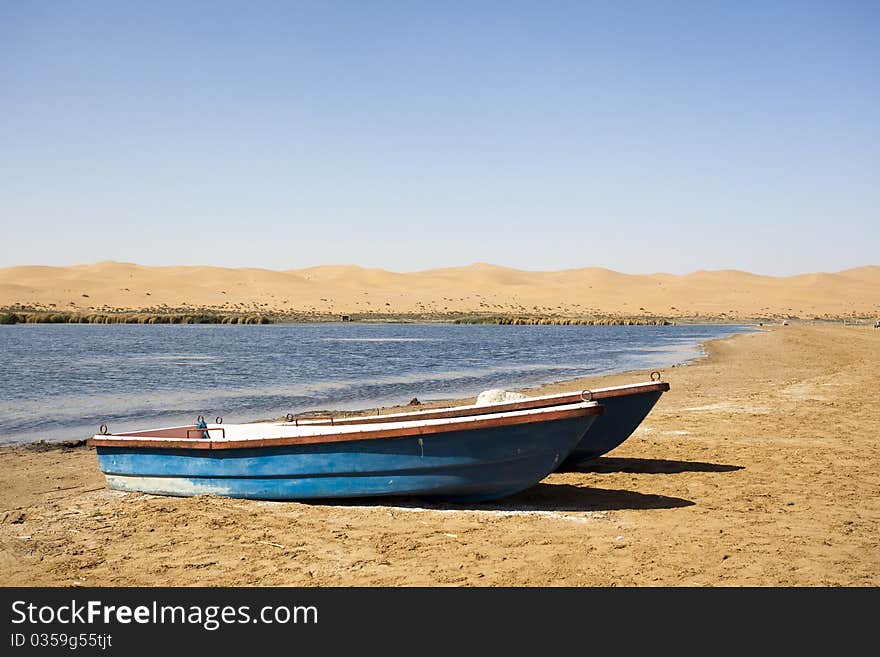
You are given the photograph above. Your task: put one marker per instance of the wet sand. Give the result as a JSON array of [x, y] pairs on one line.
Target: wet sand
[[761, 466]]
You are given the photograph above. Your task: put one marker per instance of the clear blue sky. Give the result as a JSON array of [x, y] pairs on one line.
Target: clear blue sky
[[639, 136]]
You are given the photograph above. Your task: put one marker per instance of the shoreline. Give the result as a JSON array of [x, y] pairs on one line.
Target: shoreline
[[532, 390], [561, 385], [552, 387], [759, 467]]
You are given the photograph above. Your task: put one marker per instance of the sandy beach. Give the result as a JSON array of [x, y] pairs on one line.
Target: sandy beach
[[761, 467]]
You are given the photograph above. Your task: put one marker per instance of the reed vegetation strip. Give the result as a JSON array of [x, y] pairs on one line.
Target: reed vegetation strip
[[29, 315]]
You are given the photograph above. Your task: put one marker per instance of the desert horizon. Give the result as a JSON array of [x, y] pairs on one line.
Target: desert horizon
[[479, 288]]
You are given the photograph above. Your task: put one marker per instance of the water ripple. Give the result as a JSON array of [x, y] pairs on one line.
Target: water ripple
[[60, 381]]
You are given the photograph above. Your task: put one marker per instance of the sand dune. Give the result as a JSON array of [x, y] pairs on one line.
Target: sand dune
[[107, 286]]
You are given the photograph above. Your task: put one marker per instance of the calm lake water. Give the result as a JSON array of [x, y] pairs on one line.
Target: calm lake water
[[62, 381]]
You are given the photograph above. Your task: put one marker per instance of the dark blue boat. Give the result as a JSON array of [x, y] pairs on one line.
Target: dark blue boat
[[457, 459], [625, 408]]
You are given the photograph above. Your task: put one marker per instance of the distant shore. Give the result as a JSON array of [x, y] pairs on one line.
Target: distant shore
[[111, 292], [17, 315], [211, 316]]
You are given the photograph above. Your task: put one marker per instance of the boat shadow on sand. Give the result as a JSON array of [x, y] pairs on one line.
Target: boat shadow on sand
[[568, 497], [543, 497], [608, 464]]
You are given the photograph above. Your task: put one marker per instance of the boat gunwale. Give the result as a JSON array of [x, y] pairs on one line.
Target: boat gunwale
[[546, 414], [495, 407]]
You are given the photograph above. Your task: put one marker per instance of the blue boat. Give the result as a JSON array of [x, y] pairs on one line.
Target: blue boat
[[466, 459], [625, 408]]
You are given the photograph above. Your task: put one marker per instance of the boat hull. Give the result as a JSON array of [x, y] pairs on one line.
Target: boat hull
[[466, 465], [623, 415]]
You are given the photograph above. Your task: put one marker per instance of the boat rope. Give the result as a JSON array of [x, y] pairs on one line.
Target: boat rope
[[203, 425]]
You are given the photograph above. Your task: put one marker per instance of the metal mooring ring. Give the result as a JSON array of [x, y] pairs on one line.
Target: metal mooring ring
[[657, 377], [200, 419], [289, 417], [103, 429], [587, 395], [218, 420]]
